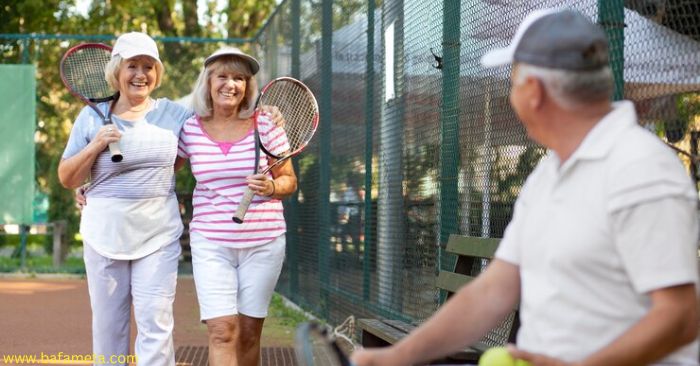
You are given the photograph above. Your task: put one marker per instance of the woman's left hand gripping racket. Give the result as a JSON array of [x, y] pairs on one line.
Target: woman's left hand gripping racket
[[315, 346], [298, 106], [83, 73]]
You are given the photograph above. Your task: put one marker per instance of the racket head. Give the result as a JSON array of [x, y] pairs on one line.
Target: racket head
[[299, 108], [83, 72], [314, 345]]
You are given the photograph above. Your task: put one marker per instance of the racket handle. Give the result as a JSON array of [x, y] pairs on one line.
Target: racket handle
[[116, 152], [243, 206]]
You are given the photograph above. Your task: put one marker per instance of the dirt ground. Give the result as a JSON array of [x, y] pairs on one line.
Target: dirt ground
[[52, 315]]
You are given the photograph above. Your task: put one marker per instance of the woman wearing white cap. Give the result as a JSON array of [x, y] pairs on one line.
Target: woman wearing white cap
[[236, 266], [131, 226]]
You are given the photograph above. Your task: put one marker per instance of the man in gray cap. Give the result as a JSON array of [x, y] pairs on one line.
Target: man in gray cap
[[601, 251]]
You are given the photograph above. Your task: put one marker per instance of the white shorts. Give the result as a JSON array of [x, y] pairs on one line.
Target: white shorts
[[233, 281]]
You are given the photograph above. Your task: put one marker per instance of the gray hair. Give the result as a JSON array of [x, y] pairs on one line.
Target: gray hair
[[570, 89], [201, 96], [112, 72]]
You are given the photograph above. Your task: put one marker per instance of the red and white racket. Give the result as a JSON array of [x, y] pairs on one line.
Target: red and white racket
[[298, 106]]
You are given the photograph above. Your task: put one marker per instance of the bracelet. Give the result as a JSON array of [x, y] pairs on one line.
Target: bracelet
[[273, 187]]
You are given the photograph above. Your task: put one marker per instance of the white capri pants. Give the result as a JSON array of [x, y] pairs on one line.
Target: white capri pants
[[233, 281], [148, 283]]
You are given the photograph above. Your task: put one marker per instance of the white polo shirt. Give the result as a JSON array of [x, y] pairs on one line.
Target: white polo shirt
[[593, 236]]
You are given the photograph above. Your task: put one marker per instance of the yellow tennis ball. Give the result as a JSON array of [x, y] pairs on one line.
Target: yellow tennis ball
[[519, 362], [497, 356]]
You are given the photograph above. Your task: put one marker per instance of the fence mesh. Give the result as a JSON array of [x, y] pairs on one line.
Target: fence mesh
[[437, 149], [416, 139]]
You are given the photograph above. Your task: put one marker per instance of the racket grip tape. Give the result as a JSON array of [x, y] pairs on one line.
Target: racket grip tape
[[116, 152], [243, 206]]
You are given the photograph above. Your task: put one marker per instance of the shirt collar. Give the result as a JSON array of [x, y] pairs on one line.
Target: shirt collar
[[603, 136]]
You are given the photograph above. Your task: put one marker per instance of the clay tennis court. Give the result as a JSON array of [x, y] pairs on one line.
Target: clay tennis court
[[52, 316]]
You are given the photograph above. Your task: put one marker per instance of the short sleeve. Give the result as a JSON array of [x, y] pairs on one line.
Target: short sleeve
[[183, 140], [84, 128], [182, 149], [272, 137], [657, 242], [656, 175], [182, 113]]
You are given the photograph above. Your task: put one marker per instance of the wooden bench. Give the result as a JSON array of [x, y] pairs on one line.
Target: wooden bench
[[473, 254]]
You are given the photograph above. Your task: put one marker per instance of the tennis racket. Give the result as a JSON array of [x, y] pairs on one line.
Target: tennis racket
[[83, 73], [300, 110], [316, 346]]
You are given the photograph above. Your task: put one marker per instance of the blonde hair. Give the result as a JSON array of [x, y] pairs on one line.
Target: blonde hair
[[201, 95], [112, 72]]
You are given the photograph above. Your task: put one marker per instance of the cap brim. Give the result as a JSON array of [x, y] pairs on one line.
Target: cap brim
[[127, 55], [497, 57], [252, 62]]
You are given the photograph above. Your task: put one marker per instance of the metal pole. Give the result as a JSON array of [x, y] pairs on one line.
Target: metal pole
[[611, 16], [293, 217], [449, 122], [390, 210], [449, 127], [369, 130], [325, 151], [23, 235]]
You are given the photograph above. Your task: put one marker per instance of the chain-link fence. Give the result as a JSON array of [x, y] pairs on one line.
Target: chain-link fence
[[417, 141]]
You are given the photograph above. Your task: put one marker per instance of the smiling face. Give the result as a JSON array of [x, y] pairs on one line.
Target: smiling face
[[137, 77], [227, 88]]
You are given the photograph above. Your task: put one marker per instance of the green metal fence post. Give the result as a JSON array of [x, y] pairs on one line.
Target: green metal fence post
[[325, 151], [449, 126], [449, 121], [391, 220], [25, 50], [369, 128], [611, 16], [23, 236], [293, 217]]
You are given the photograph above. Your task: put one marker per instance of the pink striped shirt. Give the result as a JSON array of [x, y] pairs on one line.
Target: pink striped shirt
[[220, 169]]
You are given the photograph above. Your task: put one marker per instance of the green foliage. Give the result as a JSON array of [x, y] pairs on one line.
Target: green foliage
[[13, 240], [287, 316], [42, 264]]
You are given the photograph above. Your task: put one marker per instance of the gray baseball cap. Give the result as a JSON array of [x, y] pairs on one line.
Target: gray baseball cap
[[555, 39]]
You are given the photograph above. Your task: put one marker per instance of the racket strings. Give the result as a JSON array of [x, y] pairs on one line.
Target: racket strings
[[84, 71], [298, 107]]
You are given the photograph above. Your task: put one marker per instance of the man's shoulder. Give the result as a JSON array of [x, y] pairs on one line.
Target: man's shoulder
[[637, 145], [642, 168]]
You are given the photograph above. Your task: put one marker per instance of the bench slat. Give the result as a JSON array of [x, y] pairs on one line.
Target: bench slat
[[451, 281], [472, 247], [382, 330], [391, 331]]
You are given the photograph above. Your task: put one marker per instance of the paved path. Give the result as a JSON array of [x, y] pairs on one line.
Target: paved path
[[53, 315]]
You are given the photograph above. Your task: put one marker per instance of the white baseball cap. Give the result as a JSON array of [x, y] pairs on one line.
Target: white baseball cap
[[233, 51], [134, 44]]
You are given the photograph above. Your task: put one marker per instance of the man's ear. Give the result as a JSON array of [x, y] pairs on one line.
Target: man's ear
[[536, 93]]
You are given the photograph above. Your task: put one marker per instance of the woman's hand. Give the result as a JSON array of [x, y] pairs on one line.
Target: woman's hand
[[275, 114], [105, 136], [80, 200], [261, 184]]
